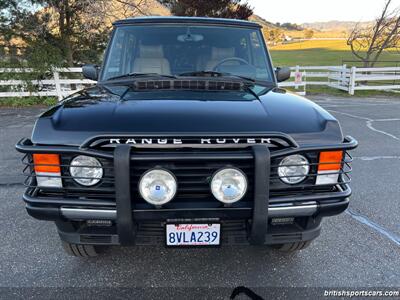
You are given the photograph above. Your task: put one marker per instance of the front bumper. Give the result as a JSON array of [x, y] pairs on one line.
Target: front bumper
[[129, 220], [81, 213], [148, 225]]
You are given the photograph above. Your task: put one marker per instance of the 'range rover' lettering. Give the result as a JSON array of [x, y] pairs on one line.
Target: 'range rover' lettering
[[201, 141]]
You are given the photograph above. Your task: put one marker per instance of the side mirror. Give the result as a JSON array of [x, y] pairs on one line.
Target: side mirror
[[282, 74], [90, 72]]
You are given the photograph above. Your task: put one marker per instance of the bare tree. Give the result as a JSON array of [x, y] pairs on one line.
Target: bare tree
[[368, 43], [107, 11], [116, 9]]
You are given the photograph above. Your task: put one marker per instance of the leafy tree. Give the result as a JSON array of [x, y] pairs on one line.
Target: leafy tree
[[308, 34], [38, 23], [274, 35], [22, 32], [77, 30], [234, 9], [291, 26]]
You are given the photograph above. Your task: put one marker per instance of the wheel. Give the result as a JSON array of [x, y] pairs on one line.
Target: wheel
[[291, 247], [79, 250]]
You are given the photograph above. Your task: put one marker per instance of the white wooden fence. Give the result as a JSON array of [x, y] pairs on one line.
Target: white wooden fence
[[59, 86], [302, 76], [339, 77], [357, 79]]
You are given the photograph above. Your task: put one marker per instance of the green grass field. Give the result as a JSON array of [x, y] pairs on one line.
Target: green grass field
[[321, 53], [27, 101]]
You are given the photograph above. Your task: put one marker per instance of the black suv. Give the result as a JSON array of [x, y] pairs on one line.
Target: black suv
[[186, 140]]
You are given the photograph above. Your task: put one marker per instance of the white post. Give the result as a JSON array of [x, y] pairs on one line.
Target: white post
[[352, 80], [343, 75], [56, 76], [295, 74]]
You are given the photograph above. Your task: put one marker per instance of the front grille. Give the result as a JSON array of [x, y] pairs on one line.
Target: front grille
[[193, 176]]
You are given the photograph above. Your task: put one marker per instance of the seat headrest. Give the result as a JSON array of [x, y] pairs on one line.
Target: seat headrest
[[151, 51], [221, 53]]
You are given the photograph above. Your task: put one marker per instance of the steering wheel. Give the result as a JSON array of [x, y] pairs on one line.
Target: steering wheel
[[238, 59]]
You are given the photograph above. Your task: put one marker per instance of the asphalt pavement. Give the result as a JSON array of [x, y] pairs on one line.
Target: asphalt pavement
[[359, 249]]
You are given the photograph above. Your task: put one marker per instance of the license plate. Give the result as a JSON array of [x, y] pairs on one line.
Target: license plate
[[193, 234]]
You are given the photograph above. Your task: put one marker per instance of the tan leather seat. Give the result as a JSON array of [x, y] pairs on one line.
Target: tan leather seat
[[218, 54], [151, 60]]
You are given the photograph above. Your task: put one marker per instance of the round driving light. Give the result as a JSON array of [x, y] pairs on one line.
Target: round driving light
[[86, 170], [157, 186], [293, 169], [229, 185]]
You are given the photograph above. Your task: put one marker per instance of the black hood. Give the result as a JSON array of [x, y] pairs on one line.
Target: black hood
[[97, 112]]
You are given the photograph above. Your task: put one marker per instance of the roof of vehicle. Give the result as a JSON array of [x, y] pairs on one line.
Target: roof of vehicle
[[188, 20]]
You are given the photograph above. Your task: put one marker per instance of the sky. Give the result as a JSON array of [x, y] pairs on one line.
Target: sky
[[303, 11]]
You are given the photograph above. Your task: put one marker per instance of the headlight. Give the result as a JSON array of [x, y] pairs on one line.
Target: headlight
[[229, 185], [157, 186], [293, 169], [86, 170]]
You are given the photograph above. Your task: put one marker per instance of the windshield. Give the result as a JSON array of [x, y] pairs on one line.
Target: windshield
[[179, 49]]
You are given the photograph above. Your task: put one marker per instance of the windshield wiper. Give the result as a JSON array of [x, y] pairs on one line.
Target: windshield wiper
[[215, 74], [248, 89], [140, 75]]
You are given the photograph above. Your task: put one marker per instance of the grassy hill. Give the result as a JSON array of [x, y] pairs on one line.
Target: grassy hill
[[262, 22]]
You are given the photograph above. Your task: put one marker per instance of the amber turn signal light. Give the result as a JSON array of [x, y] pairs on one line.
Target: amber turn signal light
[[46, 163], [330, 160]]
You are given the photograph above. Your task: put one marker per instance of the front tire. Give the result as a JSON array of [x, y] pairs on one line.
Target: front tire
[[292, 247], [78, 250]]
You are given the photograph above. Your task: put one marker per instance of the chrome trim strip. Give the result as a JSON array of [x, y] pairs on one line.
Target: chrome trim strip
[[274, 210], [305, 209], [88, 213]]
